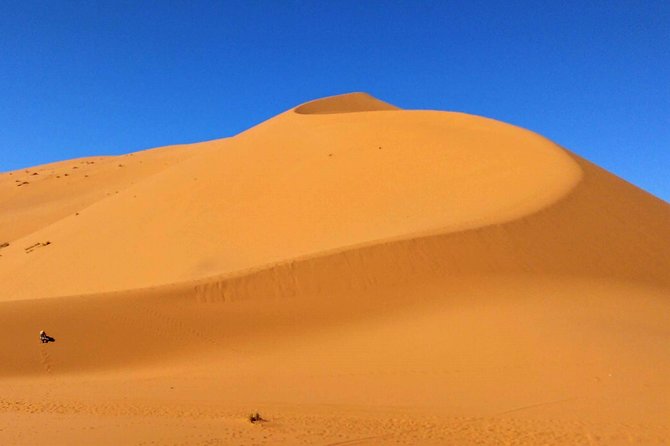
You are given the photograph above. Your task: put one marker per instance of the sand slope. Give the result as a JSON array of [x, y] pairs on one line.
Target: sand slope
[[465, 279], [325, 182]]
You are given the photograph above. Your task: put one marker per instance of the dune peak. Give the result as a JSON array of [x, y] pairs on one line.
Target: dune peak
[[344, 103]]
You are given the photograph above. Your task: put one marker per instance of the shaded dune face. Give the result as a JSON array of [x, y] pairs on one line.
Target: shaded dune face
[[350, 103], [293, 187]]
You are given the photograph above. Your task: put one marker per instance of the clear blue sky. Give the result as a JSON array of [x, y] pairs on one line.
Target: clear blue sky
[[82, 78]]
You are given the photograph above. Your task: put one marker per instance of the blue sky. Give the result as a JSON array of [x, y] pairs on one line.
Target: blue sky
[[81, 78]]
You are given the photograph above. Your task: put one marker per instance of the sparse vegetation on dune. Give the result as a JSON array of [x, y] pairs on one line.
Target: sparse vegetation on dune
[[255, 418]]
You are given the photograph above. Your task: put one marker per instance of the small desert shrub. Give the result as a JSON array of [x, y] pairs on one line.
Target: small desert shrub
[[255, 417]]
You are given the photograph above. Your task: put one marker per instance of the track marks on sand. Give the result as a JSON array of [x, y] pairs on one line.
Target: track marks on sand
[[214, 424], [45, 359], [537, 405]]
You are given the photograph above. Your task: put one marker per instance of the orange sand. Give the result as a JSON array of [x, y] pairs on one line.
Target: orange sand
[[357, 273]]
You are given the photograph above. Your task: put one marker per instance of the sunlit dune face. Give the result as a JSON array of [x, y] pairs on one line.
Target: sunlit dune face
[[412, 171]]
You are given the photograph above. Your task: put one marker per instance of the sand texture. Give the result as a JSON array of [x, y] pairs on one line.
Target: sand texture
[[357, 273]]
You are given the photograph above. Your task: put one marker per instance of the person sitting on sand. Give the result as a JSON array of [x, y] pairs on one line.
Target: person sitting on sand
[[44, 337]]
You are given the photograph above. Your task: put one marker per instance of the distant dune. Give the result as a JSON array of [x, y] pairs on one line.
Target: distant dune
[[359, 273]]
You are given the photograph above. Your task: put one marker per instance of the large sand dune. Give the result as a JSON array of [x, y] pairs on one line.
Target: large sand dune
[[359, 273]]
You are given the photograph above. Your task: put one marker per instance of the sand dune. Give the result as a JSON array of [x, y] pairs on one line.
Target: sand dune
[[362, 274], [340, 181]]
